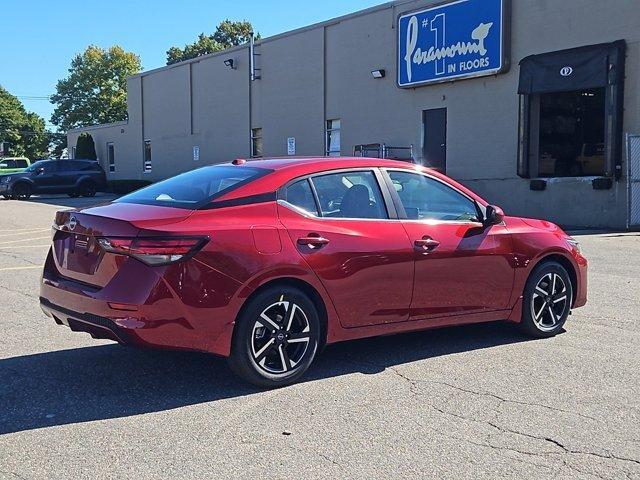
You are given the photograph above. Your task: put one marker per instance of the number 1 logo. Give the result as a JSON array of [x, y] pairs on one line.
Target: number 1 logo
[[438, 28]]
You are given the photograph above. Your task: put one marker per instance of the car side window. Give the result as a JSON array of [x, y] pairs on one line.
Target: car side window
[[50, 167], [350, 195], [424, 198], [8, 164], [21, 164], [66, 165], [300, 195]]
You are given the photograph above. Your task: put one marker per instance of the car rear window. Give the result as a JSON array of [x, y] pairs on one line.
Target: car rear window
[[194, 189]]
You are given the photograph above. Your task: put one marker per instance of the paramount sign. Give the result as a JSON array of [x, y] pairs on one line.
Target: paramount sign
[[453, 41]]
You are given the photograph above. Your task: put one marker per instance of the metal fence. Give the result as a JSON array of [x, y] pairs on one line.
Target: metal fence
[[633, 162]]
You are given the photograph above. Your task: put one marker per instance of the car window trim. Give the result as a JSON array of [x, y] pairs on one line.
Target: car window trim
[[403, 214], [392, 214]]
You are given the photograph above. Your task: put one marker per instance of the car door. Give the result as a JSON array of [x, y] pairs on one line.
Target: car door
[[345, 230], [461, 266], [68, 174], [45, 178]]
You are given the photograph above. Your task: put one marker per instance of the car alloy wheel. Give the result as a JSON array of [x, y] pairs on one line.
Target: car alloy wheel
[[546, 300], [88, 190], [549, 302], [276, 337], [280, 337], [21, 191]]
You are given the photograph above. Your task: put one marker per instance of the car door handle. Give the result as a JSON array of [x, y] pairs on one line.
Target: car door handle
[[313, 241], [426, 244]]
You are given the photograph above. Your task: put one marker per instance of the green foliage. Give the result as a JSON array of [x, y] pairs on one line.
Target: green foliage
[[25, 131], [228, 34], [85, 147], [95, 92], [126, 186]]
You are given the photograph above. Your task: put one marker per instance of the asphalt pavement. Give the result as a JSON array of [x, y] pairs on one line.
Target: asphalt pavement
[[473, 402]]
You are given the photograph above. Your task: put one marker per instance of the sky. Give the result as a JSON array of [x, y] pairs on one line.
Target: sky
[[38, 38]]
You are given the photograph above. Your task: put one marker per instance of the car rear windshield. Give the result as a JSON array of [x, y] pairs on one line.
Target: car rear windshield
[[195, 189]]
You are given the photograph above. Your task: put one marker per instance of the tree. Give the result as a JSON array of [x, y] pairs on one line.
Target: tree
[[95, 91], [228, 34], [24, 131], [85, 147]]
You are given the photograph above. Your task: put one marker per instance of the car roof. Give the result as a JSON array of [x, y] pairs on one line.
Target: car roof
[[286, 169], [319, 163]]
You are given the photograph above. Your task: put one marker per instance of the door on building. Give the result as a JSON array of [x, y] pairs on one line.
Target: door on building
[[571, 106], [434, 141]]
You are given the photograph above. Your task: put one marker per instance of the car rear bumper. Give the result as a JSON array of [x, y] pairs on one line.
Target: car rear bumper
[[96, 326], [144, 312]]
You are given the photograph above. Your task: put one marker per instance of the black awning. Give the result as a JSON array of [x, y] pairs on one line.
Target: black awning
[[574, 69]]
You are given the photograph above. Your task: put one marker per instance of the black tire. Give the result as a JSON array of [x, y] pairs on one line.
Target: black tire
[[547, 299], [21, 191], [257, 345], [88, 189], [6, 197]]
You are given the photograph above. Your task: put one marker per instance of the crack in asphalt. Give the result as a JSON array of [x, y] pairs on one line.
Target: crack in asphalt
[[413, 386], [17, 256], [19, 292], [566, 450], [13, 474]]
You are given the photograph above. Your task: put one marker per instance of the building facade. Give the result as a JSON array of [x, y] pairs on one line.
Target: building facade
[[531, 103]]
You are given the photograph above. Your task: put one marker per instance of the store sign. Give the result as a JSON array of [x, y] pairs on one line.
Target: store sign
[[196, 153], [291, 146], [452, 41]]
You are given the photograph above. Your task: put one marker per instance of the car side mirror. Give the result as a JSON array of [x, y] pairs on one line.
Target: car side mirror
[[494, 215]]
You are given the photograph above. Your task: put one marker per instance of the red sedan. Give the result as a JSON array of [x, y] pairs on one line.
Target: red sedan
[[265, 262]]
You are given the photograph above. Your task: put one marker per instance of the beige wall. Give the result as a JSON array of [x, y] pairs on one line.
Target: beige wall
[[323, 72]]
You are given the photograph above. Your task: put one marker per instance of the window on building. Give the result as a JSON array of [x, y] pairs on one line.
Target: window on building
[[424, 198], [147, 156], [111, 157], [256, 142], [73, 152], [570, 121], [332, 138], [350, 195]]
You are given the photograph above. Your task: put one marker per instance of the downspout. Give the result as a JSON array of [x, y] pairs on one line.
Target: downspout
[[252, 76]]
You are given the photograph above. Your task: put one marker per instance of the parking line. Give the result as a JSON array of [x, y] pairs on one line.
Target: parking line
[[30, 267], [20, 229], [25, 232], [23, 240]]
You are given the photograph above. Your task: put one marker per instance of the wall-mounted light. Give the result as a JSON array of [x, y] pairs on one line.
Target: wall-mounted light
[[378, 73], [230, 63]]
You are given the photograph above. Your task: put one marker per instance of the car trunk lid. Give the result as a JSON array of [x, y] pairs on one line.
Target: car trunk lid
[[76, 250]]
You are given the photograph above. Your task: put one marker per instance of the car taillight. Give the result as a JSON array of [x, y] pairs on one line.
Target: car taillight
[[154, 251]]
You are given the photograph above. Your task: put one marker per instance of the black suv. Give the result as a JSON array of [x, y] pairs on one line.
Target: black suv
[[73, 177]]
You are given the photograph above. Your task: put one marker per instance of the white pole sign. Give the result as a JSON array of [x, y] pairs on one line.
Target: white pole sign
[[291, 146], [196, 153]]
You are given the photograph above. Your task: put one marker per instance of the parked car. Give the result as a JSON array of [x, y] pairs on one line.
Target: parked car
[[264, 262], [73, 177], [13, 164]]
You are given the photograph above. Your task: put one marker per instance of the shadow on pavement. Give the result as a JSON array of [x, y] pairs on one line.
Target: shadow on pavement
[[112, 381]]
